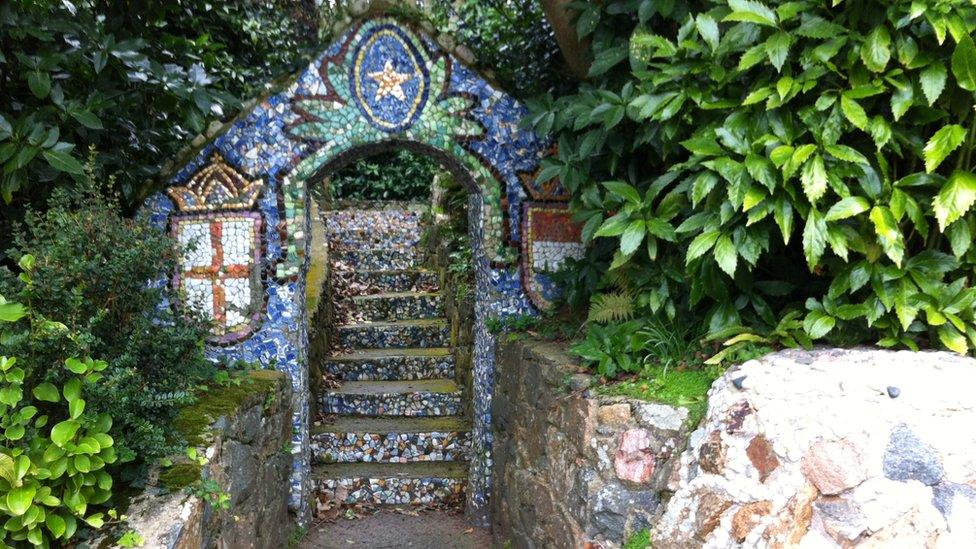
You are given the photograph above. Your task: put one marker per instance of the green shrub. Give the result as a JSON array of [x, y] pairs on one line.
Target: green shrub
[[394, 175], [748, 159], [53, 449], [92, 272]]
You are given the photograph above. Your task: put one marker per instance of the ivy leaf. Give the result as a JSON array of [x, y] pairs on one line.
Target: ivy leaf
[[955, 198], [814, 238], [876, 50], [751, 11], [814, 178], [889, 236], [725, 255], [933, 80], [942, 144], [853, 112], [848, 207], [964, 64]]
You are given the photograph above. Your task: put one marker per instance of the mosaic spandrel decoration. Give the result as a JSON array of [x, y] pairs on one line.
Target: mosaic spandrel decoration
[[219, 268], [550, 237], [242, 199]]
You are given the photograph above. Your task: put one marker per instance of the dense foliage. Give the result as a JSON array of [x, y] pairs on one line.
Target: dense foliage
[[795, 169], [91, 272], [53, 449], [135, 79], [511, 37], [393, 175]]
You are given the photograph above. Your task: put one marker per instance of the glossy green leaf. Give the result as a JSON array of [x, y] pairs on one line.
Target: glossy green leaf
[[46, 392], [814, 178], [941, 145], [847, 207], [854, 112], [64, 432], [955, 198], [814, 238], [933, 80], [751, 11], [964, 63], [725, 255], [876, 50], [818, 324], [888, 234], [62, 161], [19, 499]]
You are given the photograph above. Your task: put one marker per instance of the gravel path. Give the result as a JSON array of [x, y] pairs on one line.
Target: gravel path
[[390, 529]]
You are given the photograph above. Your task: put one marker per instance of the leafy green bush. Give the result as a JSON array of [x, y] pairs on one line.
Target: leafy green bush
[[748, 159], [53, 450], [393, 175], [92, 272], [136, 80]]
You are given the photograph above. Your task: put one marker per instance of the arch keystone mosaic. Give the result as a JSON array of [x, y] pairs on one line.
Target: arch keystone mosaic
[[238, 208]]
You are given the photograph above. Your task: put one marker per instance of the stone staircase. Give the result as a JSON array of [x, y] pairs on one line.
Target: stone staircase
[[394, 432]]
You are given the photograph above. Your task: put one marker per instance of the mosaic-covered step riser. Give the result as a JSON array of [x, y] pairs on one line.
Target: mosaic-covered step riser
[[379, 335], [354, 229], [396, 281], [390, 447], [416, 404], [391, 366], [380, 259], [393, 491], [378, 307]]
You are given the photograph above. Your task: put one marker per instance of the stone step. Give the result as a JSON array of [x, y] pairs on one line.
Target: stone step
[[419, 398], [419, 483], [353, 229], [396, 281], [397, 306], [378, 259], [395, 440], [391, 364], [424, 333]]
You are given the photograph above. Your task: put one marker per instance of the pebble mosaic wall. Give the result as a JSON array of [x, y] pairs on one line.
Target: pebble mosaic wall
[[242, 200]]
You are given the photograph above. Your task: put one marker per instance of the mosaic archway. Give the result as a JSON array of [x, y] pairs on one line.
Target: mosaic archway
[[241, 202]]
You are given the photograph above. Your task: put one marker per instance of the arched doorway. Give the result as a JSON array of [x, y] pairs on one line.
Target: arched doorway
[[379, 86]]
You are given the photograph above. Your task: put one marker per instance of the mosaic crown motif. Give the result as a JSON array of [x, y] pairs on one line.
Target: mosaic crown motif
[[216, 186]]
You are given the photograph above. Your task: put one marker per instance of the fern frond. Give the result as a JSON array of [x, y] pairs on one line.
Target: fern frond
[[611, 307]]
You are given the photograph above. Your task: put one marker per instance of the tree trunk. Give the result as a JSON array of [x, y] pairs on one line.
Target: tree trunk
[[574, 51]]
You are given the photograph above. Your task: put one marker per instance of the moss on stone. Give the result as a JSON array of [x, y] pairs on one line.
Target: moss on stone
[[194, 420], [685, 388], [180, 475]]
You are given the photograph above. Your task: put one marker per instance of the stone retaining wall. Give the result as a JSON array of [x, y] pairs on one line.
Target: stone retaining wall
[[249, 453], [572, 468]]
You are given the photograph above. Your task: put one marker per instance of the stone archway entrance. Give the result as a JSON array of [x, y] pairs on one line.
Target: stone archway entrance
[[242, 201]]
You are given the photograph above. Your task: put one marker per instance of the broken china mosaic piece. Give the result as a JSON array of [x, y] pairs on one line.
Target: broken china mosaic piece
[[551, 237], [398, 447], [434, 490], [403, 334], [381, 84], [391, 364]]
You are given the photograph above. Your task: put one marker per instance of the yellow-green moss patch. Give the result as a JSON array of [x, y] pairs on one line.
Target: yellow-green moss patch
[[194, 420], [180, 475]]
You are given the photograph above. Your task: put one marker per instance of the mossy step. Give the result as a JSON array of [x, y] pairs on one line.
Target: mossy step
[[418, 398], [395, 440], [445, 469], [398, 306], [433, 332], [402, 280], [392, 364], [378, 259], [416, 483]]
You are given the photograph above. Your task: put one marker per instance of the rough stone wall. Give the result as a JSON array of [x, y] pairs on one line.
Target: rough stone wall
[[832, 448], [571, 468], [250, 459]]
